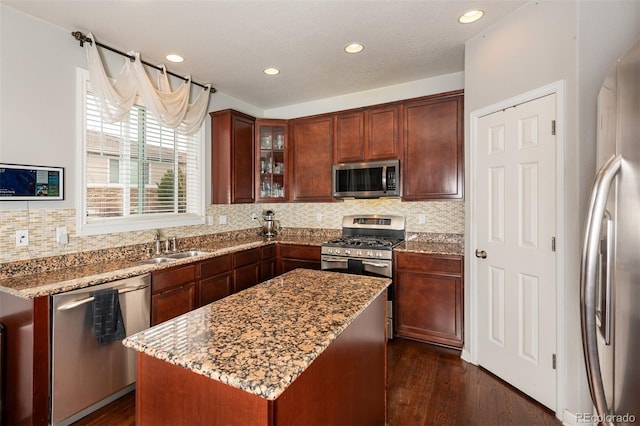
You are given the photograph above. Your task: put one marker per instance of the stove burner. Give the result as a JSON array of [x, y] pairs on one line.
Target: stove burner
[[364, 242]]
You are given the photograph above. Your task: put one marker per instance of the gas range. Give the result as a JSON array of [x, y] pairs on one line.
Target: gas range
[[366, 248], [364, 237]]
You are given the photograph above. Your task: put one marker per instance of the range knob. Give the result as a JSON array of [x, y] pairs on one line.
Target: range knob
[[347, 252], [369, 253], [378, 254], [359, 253], [337, 251], [329, 250]]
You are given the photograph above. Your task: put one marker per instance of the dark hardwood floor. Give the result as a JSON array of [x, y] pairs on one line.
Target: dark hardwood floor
[[427, 385]]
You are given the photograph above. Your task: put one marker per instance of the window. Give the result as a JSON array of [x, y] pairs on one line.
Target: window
[[137, 174]]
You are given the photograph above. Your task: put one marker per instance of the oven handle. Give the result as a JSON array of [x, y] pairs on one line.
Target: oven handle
[[376, 264], [335, 259]]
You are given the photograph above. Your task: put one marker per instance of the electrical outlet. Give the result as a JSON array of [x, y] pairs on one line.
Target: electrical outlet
[[22, 238], [222, 219], [318, 217], [422, 218], [210, 220], [254, 216]]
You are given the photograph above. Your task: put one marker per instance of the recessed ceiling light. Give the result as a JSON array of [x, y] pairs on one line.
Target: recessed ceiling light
[[174, 58], [354, 48], [470, 16], [271, 71]]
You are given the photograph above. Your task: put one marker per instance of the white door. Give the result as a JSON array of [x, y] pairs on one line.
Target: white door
[[515, 223]]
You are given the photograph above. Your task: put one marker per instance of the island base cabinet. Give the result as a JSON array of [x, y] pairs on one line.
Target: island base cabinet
[[346, 384]]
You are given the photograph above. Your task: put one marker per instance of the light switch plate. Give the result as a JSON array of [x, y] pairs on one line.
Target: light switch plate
[[62, 235], [422, 218], [222, 219]]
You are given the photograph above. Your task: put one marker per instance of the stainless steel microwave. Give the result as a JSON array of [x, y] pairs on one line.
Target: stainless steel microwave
[[373, 179]]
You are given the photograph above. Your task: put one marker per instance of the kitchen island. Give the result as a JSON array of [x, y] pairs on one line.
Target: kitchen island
[[307, 347]]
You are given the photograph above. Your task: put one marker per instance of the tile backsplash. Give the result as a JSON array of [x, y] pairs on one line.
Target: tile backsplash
[[439, 217]]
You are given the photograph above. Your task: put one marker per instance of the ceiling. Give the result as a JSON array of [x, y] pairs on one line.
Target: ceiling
[[229, 43]]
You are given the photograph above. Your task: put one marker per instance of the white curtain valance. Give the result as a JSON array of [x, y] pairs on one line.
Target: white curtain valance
[[170, 107]]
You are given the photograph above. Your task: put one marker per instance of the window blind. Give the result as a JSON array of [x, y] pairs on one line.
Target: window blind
[[138, 168]]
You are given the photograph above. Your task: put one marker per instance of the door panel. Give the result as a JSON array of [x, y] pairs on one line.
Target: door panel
[[514, 222]]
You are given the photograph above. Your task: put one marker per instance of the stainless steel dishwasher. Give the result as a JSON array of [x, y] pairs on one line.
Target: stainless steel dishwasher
[[85, 374]]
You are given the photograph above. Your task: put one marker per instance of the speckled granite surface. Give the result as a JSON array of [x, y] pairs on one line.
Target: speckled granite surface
[[429, 247], [261, 339], [49, 276]]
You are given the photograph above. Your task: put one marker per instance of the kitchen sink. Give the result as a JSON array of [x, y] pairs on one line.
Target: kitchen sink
[[183, 254], [155, 260]]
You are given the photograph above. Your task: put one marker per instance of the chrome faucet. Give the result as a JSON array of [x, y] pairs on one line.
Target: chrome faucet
[[158, 243]]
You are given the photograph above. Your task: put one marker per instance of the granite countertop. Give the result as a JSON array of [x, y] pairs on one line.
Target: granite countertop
[[58, 280], [261, 339], [432, 247]]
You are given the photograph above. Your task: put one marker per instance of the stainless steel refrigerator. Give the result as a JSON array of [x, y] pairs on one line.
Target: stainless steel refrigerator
[[610, 276]]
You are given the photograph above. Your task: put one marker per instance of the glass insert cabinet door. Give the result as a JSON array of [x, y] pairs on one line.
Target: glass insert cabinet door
[[271, 139]]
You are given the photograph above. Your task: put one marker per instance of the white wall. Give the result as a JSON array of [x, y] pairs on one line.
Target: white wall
[[412, 89], [541, 43]]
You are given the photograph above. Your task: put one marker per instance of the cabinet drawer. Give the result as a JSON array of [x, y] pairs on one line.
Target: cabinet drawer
[[451, 265], [164, 280], [269, 252], [246, 257], [299, 252], [215, 266]]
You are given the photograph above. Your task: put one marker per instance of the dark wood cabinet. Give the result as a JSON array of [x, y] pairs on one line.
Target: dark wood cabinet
[[368, 134], [173, 293], [348, 145], [293, 256], [383, 132], [312, 158], [232, 157], [272, 146], [215, 279], [246, 269], [433, 148], [268, 263], [429, 298]]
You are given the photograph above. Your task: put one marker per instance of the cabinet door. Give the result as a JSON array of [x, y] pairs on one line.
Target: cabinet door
[[429, 308], [433, 148], [382, 133], [171, 303], [246, 276], [232, 157], [272, 165], [215, 288], [312, 158], [349, 140], [429, 298], [243, 160]]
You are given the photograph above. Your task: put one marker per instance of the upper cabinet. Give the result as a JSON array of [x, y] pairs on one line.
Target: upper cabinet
[[271, 147], [232, 157], [368, 134], [433, 167], [311, 158]]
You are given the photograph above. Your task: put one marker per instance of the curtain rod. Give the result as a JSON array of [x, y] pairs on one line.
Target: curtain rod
[[82, 39]]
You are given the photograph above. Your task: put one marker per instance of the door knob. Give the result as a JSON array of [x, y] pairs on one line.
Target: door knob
[[481, 254]]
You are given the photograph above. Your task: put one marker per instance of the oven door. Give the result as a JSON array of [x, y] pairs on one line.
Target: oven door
[[370, 267]]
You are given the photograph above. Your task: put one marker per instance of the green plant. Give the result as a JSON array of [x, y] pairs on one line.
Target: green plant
[[166, 191]]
